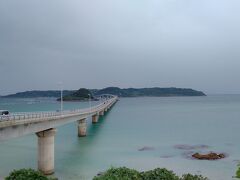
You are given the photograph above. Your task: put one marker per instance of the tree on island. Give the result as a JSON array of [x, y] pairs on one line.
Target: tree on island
[[80, 95]]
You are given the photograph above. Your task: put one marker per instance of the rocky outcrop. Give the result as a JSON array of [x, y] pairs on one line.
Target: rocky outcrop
[[209, 156], [190, 147], [146, 148]]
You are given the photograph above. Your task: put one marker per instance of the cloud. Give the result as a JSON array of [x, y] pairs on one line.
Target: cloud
[[119, 43]]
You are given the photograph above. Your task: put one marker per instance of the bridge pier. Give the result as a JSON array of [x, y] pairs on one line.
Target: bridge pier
[[101, 113], [46, 151], [42, 124], [82, 128], [95, 118]]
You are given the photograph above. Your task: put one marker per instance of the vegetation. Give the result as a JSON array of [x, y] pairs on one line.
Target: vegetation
[[80, 95], [130, 92], [193, 177], [159, 174], [27, 174], [238, 173], [157, 92], [124, 173], [35, 94], [121, 173]]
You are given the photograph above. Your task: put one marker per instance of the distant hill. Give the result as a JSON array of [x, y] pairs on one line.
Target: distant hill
[[79, 95], [129, 92], [156, 91], [35, 94]]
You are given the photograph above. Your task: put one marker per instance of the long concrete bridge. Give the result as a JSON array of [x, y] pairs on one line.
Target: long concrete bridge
[[44, 124]]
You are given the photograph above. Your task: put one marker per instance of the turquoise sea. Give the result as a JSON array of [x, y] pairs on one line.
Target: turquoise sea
[[158, 126]]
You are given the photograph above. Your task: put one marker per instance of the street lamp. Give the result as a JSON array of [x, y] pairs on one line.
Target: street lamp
[[89, 101], [61, 89]]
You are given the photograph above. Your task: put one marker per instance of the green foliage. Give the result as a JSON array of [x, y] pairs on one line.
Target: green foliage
[[79, 95], [156, 174], [36, 94], [193, 177], [157, 92], [238, 173], [129, 92], [27, 174], [159, 174], [122, 173], [85, 93]]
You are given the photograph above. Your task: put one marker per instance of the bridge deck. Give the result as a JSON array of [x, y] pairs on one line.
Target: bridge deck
[[16, 125], [44, 125]]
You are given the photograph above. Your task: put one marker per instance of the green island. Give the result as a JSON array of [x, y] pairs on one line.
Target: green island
[[79, 95], [154, 92], [82, 94], [36, 94]]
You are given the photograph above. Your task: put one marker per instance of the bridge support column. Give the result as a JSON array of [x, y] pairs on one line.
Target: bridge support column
[[46, 151], [95, 118], [101, 113], [82, 128]]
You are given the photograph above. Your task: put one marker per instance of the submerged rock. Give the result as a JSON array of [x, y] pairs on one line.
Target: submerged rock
[[190, 147], [167, 156], [209, 156], [188, 154], [146, 148], [100, 173]]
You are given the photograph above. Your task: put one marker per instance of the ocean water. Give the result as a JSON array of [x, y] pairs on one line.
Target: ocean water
[[161, 125]]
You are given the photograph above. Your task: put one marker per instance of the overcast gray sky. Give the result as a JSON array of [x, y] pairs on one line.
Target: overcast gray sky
[[125, 43]]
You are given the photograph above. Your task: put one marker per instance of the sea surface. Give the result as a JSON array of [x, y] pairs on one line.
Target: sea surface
[[141, 133]]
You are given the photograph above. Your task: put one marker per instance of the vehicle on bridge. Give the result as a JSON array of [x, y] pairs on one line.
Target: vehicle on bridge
[[4, 112]]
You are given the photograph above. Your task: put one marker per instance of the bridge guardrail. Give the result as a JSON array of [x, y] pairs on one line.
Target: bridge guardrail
[[49, 114]]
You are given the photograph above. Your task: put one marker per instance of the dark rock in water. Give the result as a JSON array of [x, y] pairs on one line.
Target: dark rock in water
[[146, 148], [183, 147], [209, 156], [202, 146], [190, 147], [100, 173], [166, 156]]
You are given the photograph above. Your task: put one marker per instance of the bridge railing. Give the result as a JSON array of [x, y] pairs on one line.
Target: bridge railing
[[49, 114]]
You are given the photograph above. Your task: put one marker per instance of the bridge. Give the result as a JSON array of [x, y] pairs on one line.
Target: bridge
[[44, 125]]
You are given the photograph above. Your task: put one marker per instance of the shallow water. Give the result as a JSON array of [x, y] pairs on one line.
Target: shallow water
[[140, 133]]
